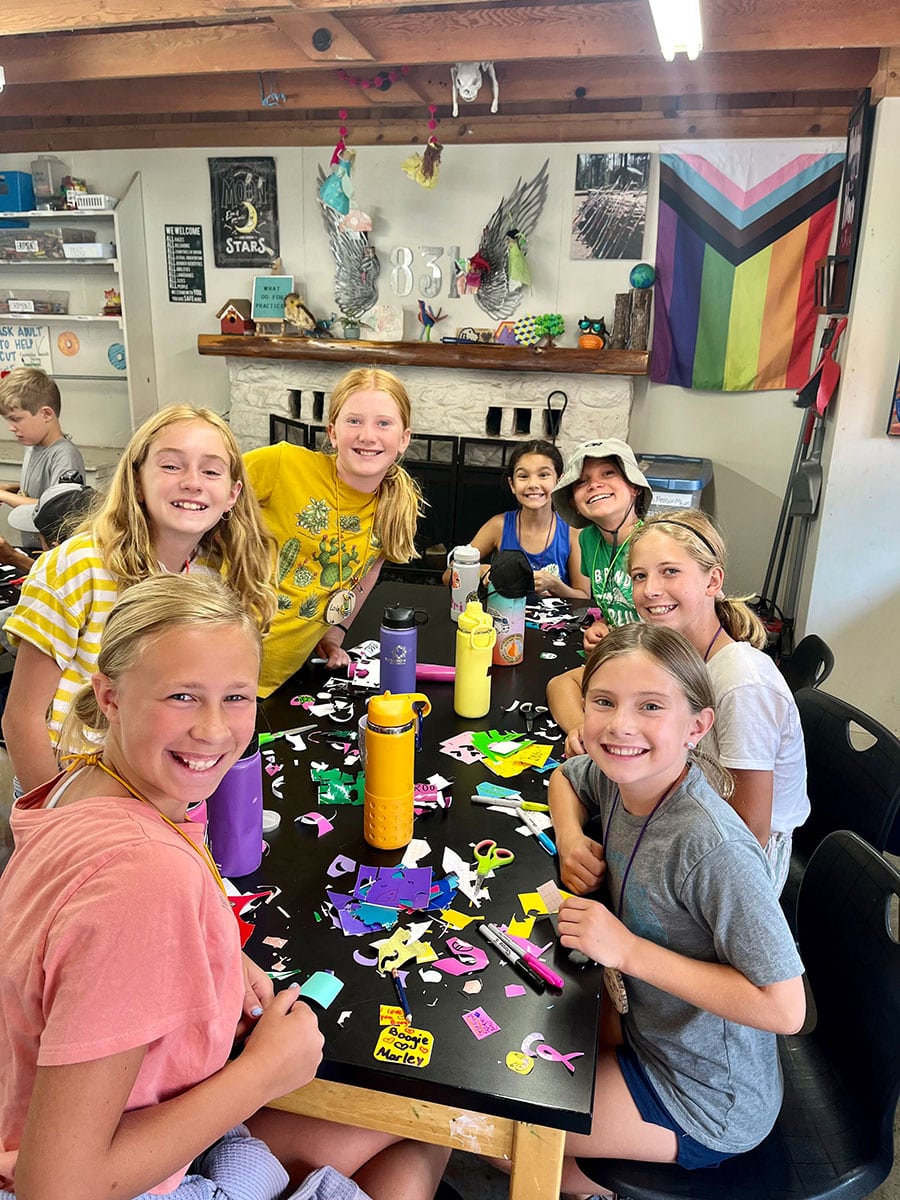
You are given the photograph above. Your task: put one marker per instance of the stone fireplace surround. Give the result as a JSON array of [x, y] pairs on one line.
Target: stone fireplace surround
[[506, 405]]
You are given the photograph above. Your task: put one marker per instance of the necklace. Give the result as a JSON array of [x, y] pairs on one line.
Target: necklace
[[550, 529], [342, 601], [610, 568], [715, 638], [612, 976], [94, 760]]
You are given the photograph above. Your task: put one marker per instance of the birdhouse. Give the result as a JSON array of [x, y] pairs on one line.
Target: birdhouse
[[234, 317]]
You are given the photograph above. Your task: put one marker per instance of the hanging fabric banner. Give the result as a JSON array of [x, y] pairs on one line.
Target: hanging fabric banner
[[741, 226]]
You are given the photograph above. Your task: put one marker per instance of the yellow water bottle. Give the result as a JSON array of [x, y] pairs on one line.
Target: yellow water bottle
[[475, 638], [393, 734]]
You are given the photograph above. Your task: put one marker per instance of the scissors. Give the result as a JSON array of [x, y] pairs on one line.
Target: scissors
[[490, 857], [531, 712]]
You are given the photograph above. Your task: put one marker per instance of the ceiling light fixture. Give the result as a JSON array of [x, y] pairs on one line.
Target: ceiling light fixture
[[677, 27]]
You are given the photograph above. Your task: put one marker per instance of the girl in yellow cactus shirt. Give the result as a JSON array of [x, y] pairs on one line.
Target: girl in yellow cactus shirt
[[336, 518]]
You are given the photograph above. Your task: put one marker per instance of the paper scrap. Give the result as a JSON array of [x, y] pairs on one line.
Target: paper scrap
[[480, 1023], [514, 989], [321, 987], [321, 823]]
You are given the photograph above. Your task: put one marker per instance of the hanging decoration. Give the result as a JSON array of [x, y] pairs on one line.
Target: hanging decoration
[[337, 189], [423, 168], [517, 270], [382, 82], [356, 263], [268, 97]]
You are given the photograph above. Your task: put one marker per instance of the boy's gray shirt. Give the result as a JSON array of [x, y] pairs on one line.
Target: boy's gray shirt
[[41, 469], [700, 886]]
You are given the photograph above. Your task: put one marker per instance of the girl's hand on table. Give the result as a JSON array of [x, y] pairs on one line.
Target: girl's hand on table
[[575, 742], [332, 650], [593, 634], [286, 1044], [590, 927], [581, 863]]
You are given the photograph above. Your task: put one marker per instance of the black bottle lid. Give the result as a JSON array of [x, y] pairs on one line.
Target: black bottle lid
[[401, 616]]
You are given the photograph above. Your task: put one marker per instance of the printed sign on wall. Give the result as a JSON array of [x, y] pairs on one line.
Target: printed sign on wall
[[184, 264], [24, 346], [244, 211]]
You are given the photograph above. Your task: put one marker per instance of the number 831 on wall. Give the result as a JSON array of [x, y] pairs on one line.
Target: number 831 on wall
[[430, 275]]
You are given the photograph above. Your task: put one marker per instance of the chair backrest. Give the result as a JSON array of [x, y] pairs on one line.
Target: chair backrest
[[845, 913], [810, 664], [848, 788]]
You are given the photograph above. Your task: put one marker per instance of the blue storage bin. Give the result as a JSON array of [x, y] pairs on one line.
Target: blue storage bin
[[677, 481], [16, 192]]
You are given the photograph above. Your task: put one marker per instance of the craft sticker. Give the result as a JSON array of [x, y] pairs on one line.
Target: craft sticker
[[480, 1023], [519, 1062], [405, 1045]]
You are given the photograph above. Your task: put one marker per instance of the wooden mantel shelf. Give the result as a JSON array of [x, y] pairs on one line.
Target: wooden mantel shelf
[[428, 354]]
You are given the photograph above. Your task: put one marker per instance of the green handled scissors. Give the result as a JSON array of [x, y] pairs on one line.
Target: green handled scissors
[[490, 857]]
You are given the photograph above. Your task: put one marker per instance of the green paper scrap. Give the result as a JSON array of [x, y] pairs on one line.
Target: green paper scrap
[[484, 741], [321, 987], [335, 787]]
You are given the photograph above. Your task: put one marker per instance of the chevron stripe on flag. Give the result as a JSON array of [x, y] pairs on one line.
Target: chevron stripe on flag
[[741, 226]]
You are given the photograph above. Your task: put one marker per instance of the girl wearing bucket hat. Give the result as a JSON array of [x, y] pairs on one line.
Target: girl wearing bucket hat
[[603, 493]]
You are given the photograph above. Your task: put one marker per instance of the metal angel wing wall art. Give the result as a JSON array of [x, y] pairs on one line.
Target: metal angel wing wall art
[[356, 265], [521, 211]]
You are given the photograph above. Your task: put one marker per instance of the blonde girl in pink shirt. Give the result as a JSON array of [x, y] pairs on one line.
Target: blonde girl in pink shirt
[[122, 982]]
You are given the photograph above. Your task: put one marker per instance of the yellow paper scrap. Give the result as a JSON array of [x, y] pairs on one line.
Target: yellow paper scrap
[[404, 1044], [522, 929], [458, 920], [392, 1014]]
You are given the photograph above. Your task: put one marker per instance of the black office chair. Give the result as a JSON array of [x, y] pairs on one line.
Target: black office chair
[[810, 664], [834, 1136], [848, 788]]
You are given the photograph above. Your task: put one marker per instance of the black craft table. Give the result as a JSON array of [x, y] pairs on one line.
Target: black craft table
[[466, 1097]]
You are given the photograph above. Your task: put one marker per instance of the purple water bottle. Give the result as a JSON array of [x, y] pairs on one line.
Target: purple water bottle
[[398, 647], [236, 815]]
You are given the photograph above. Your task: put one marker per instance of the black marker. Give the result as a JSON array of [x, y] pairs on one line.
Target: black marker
[[516, 959]]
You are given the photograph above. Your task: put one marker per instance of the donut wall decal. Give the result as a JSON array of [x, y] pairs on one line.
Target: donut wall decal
[[68, 344]]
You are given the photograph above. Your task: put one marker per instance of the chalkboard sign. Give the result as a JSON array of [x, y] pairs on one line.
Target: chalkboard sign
[[184, 264], [269, 292], [244, 211]]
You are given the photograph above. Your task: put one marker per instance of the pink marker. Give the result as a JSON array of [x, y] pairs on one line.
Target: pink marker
[[427, 672]]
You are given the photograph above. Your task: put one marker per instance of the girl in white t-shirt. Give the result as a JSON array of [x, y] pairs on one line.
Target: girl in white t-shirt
[[677, 567]]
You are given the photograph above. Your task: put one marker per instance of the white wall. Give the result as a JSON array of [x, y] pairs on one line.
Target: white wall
[[854, 580], [749, 436]]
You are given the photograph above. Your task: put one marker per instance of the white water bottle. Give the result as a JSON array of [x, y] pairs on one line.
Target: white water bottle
[[465, 575]]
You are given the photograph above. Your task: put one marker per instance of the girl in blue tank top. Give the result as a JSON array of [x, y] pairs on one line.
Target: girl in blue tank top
[[548, 543]]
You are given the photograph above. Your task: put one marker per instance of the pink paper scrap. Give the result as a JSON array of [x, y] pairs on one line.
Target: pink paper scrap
[[480, 1023]]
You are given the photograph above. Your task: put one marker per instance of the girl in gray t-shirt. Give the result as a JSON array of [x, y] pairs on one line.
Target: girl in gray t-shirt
[[695, 945]]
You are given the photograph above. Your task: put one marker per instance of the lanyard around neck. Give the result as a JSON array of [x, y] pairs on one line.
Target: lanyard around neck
[[94, 760], [640, 837]]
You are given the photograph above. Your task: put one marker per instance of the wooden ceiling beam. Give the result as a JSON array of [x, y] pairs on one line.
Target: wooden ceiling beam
[[564, 32], [631, 128], [303, 31], [549, 82]]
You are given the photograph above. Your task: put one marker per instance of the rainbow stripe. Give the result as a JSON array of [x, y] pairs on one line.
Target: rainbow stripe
[[741, 226]]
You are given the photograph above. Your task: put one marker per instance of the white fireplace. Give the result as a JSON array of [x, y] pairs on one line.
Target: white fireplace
[[507, 405]]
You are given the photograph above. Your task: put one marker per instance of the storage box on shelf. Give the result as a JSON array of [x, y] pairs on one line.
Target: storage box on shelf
[[88, 202], [25, 302], [39, 243], [89, 250]]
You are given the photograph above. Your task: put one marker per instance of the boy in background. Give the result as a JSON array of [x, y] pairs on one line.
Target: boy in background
[[30, 404]]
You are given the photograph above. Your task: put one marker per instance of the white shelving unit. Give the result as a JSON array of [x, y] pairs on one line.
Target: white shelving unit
[[103, 400]]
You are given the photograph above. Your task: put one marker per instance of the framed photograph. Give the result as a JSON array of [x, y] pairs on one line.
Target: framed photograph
[[893, 428], [269, 292], [853, 194], [244, 211]]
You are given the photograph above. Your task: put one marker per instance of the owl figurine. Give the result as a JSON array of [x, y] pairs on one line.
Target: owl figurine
[[298, 315]]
